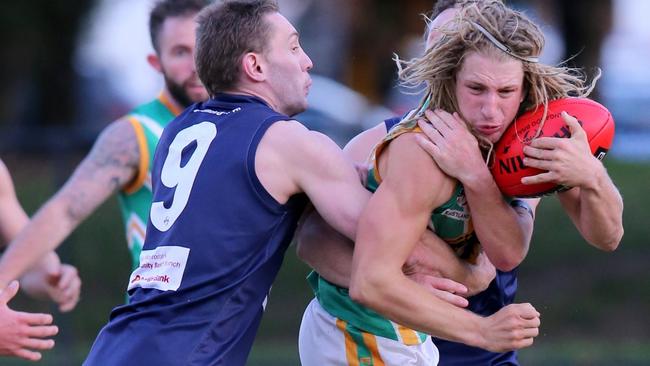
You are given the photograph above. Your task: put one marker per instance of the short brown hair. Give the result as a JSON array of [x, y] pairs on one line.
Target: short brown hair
[[164, 9], [225, 32]]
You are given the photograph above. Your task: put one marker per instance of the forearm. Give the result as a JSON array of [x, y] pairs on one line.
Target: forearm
[[599, 213], [504, 232], [429, 314], [388, 291], [377, 278], [48, 228], [325, 250]]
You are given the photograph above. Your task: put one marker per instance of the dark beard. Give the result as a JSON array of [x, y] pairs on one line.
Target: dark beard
[[178, 93]]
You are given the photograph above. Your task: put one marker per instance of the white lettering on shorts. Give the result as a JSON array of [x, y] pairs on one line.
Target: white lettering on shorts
[[161, 268]]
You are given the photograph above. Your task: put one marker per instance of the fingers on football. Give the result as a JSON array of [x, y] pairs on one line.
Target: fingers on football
[[546, 143], [539, 178], [539, 163], [576, 130]]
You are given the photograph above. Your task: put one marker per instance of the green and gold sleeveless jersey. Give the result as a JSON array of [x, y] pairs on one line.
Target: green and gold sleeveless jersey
[[148, 121], [451, 222]]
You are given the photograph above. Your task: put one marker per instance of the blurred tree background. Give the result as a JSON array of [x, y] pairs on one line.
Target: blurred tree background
[[594, 305]]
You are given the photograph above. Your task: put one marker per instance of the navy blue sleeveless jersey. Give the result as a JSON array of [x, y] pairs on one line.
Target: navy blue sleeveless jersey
[[215, 242], [500, 293], [390, 122]]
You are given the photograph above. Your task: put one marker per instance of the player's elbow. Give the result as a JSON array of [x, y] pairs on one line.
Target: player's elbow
[[611, 242], [507, 263], [367, 290], [308, 237]]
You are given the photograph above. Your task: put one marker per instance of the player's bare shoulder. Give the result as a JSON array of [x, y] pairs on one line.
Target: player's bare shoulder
[[408, 168], [288, 152], [115, 156], [274, 158], [294, 143]]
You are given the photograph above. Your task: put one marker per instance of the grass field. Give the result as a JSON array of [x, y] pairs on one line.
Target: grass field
[[594, 305]]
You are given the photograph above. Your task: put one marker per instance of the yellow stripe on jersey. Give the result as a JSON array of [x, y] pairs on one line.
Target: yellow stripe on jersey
[[408, 335], [143, 166], [172, 107], [371, 342], [351, 352], [135, 231], [398, 130]]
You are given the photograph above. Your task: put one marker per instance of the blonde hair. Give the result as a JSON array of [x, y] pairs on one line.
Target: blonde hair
[[522, 39]]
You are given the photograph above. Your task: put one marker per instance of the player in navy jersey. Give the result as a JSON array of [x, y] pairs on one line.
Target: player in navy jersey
[[231, 177]]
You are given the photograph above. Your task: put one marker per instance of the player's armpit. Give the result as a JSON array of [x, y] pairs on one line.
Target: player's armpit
[[310, 162], [325, 250]]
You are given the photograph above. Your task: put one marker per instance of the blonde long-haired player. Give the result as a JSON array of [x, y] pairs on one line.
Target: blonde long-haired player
[[484, 68]]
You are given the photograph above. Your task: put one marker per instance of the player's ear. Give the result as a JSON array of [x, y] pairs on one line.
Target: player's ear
[[253, 66], [154, 60]]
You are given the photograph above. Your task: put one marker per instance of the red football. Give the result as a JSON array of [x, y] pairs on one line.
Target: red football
[[508, 167]]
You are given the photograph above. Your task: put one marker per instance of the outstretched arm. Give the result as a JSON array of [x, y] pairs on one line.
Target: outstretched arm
[[330, 253], [319, 245], [291, 159], [594, 204], [48, 279], [112, 163]]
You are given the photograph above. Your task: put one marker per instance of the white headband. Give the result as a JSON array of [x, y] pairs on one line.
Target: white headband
[[503, 47]]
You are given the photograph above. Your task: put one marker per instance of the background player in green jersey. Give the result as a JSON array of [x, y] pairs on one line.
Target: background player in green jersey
[[120, 159]]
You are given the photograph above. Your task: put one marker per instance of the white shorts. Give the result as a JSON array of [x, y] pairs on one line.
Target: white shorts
[[325, 341]]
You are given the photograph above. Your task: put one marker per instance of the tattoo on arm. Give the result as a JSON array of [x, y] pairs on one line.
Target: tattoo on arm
[[111, 164]]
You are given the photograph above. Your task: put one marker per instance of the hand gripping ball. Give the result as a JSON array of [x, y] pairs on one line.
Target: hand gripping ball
[[508, 167]]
